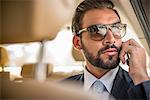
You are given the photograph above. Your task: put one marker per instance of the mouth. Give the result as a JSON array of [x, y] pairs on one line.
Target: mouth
[[110, 51]]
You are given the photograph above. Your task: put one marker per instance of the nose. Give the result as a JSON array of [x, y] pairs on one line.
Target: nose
[[109, 38]]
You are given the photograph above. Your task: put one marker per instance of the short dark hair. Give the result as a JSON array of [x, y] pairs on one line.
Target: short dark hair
[[87, 5]]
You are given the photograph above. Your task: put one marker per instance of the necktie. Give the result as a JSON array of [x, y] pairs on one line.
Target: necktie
[[98, 87]]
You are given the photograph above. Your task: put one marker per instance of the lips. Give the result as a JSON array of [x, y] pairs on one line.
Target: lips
[[111, 51]]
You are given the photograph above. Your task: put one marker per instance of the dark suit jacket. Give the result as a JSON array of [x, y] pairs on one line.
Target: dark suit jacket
[[123, 86]]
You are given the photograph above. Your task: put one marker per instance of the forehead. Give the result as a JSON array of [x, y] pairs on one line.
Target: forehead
[[99, 16]]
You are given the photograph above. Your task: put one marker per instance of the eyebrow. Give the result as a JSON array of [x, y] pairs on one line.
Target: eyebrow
[[117, 22], [112, 23], [107, 24]]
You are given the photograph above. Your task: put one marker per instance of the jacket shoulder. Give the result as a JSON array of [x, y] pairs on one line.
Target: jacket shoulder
[[78, 77]]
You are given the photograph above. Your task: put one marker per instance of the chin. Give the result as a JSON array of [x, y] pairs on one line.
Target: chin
[[111, 62], [110, 59]]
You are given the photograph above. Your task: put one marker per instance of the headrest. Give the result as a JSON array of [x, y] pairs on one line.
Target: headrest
[[3, 56], [77, 55]]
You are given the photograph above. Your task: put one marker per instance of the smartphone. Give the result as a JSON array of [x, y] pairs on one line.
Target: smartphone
[[127, 61]]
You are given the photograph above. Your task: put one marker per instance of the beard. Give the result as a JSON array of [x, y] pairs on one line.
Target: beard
[[98, 62]]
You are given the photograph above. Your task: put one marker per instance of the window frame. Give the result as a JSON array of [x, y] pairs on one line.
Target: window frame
[[142, 18]]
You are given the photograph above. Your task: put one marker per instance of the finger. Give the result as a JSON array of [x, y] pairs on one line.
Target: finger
[[132, 42], [123, 52], [125, 49], [127, 59]]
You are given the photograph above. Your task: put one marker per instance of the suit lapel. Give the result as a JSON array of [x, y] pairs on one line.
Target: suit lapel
[[121, 85]]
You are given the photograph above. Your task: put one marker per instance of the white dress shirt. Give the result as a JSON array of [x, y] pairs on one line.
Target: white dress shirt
[[106, 79]]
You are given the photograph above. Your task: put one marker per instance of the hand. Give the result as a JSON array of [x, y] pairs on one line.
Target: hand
[[137, 60]]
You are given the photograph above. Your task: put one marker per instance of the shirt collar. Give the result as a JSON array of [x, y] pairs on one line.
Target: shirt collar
[[107, 79]]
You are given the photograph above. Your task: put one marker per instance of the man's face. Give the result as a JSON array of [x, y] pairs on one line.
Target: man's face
[[102, 53]]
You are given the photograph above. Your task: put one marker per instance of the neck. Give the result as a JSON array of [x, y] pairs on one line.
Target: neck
[[97, 72]]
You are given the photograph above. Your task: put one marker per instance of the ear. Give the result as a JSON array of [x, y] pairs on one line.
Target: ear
[[77, 42]]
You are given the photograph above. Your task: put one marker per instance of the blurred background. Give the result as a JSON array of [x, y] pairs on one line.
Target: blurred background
[[36, 37]]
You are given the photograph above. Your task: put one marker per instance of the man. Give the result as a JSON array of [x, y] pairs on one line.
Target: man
[[98, 32]]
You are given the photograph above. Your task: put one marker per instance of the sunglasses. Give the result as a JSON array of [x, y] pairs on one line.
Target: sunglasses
[[99, 31]]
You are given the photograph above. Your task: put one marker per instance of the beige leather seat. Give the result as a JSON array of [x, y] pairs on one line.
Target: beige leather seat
[[4, 59], [77, 55], [28, 70]]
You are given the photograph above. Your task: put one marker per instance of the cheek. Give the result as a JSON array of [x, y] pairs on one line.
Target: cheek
[[118, 43], [92, 46], [93, 49]]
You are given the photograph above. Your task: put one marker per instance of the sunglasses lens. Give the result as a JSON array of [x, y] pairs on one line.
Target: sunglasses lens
[[118, 31], [98, 32]]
